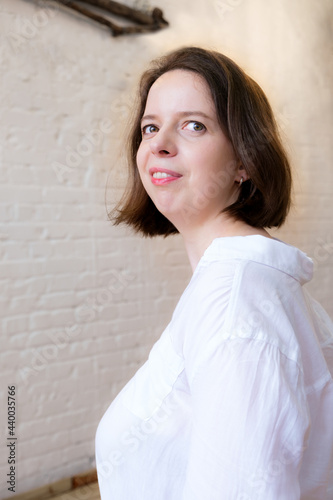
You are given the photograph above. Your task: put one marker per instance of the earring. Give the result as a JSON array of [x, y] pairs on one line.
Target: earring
[[241, 181]]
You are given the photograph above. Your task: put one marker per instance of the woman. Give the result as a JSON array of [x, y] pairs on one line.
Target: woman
[[236, 399]]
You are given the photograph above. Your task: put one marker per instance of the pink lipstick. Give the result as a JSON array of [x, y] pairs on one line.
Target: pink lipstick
[[162, 176]]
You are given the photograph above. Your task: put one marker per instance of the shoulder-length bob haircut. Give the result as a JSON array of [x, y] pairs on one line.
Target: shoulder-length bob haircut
[[246, 118]]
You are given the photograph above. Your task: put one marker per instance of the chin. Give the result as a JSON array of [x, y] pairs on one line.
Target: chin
[[171, 215], [166, 207]]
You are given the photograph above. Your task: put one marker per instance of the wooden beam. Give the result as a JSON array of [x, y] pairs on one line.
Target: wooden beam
[[147, 22], [119, 9]]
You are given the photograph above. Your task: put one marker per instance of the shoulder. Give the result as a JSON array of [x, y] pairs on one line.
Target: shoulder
[[208, 290], [201, 310], [243, 293]]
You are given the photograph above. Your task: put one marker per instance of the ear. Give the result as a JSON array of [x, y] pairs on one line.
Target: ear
[[241, 174]]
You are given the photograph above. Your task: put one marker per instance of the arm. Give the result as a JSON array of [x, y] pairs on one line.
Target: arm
[[249, 423]]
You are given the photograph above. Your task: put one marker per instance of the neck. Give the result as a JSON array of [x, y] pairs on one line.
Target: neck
[[198, 239]]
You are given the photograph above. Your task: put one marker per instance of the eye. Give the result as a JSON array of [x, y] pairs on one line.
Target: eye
[[149, 129], [195, 126]]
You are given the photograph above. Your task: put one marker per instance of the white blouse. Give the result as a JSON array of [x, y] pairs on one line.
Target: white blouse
[[236, 399]]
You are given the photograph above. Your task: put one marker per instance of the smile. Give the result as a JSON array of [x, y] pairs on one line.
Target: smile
[[163, 176]]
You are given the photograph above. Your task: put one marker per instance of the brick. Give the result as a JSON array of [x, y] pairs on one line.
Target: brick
[[105, 246], [37, 339], [7, 19], [129, 310], [4, 306], [63, 248], [20, 269], [7, 213], [33, 285], [45, 213], [65, 195], [9, 360], [56, 440], [21, 232], [64, 265], [22, 118], [109, 312], [56, 230], [64, 282], [45, 175], [44, 101], [25, 212], [41, 249], [57, 301], [19, 194], [18, 340], [4, 173], [73, 213], [77, 435], [18, 324], [40, 320]]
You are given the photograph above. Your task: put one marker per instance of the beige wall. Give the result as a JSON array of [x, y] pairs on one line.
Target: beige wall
[[82, 302]]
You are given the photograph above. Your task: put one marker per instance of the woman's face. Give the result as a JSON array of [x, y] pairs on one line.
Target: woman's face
[[186, 163]]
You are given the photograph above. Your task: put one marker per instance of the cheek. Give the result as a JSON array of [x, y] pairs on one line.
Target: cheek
[[141, 162], [219, 174], [140, 158], [223, 160]]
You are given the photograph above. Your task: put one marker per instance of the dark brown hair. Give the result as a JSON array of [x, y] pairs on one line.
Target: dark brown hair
[[246, 118]]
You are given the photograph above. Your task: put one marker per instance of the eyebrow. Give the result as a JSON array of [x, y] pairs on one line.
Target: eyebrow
[[181, 114]]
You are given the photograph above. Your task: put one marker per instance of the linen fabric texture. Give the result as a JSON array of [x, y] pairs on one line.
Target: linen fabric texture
[[235, 401]]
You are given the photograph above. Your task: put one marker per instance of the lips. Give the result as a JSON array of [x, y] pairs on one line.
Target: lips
[[161, 176]]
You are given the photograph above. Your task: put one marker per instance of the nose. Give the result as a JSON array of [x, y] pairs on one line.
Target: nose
[[163, 144]]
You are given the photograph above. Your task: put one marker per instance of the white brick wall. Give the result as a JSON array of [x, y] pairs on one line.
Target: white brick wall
[[82, 302]]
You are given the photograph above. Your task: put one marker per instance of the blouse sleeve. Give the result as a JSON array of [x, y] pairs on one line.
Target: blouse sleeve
[[250, 422]]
